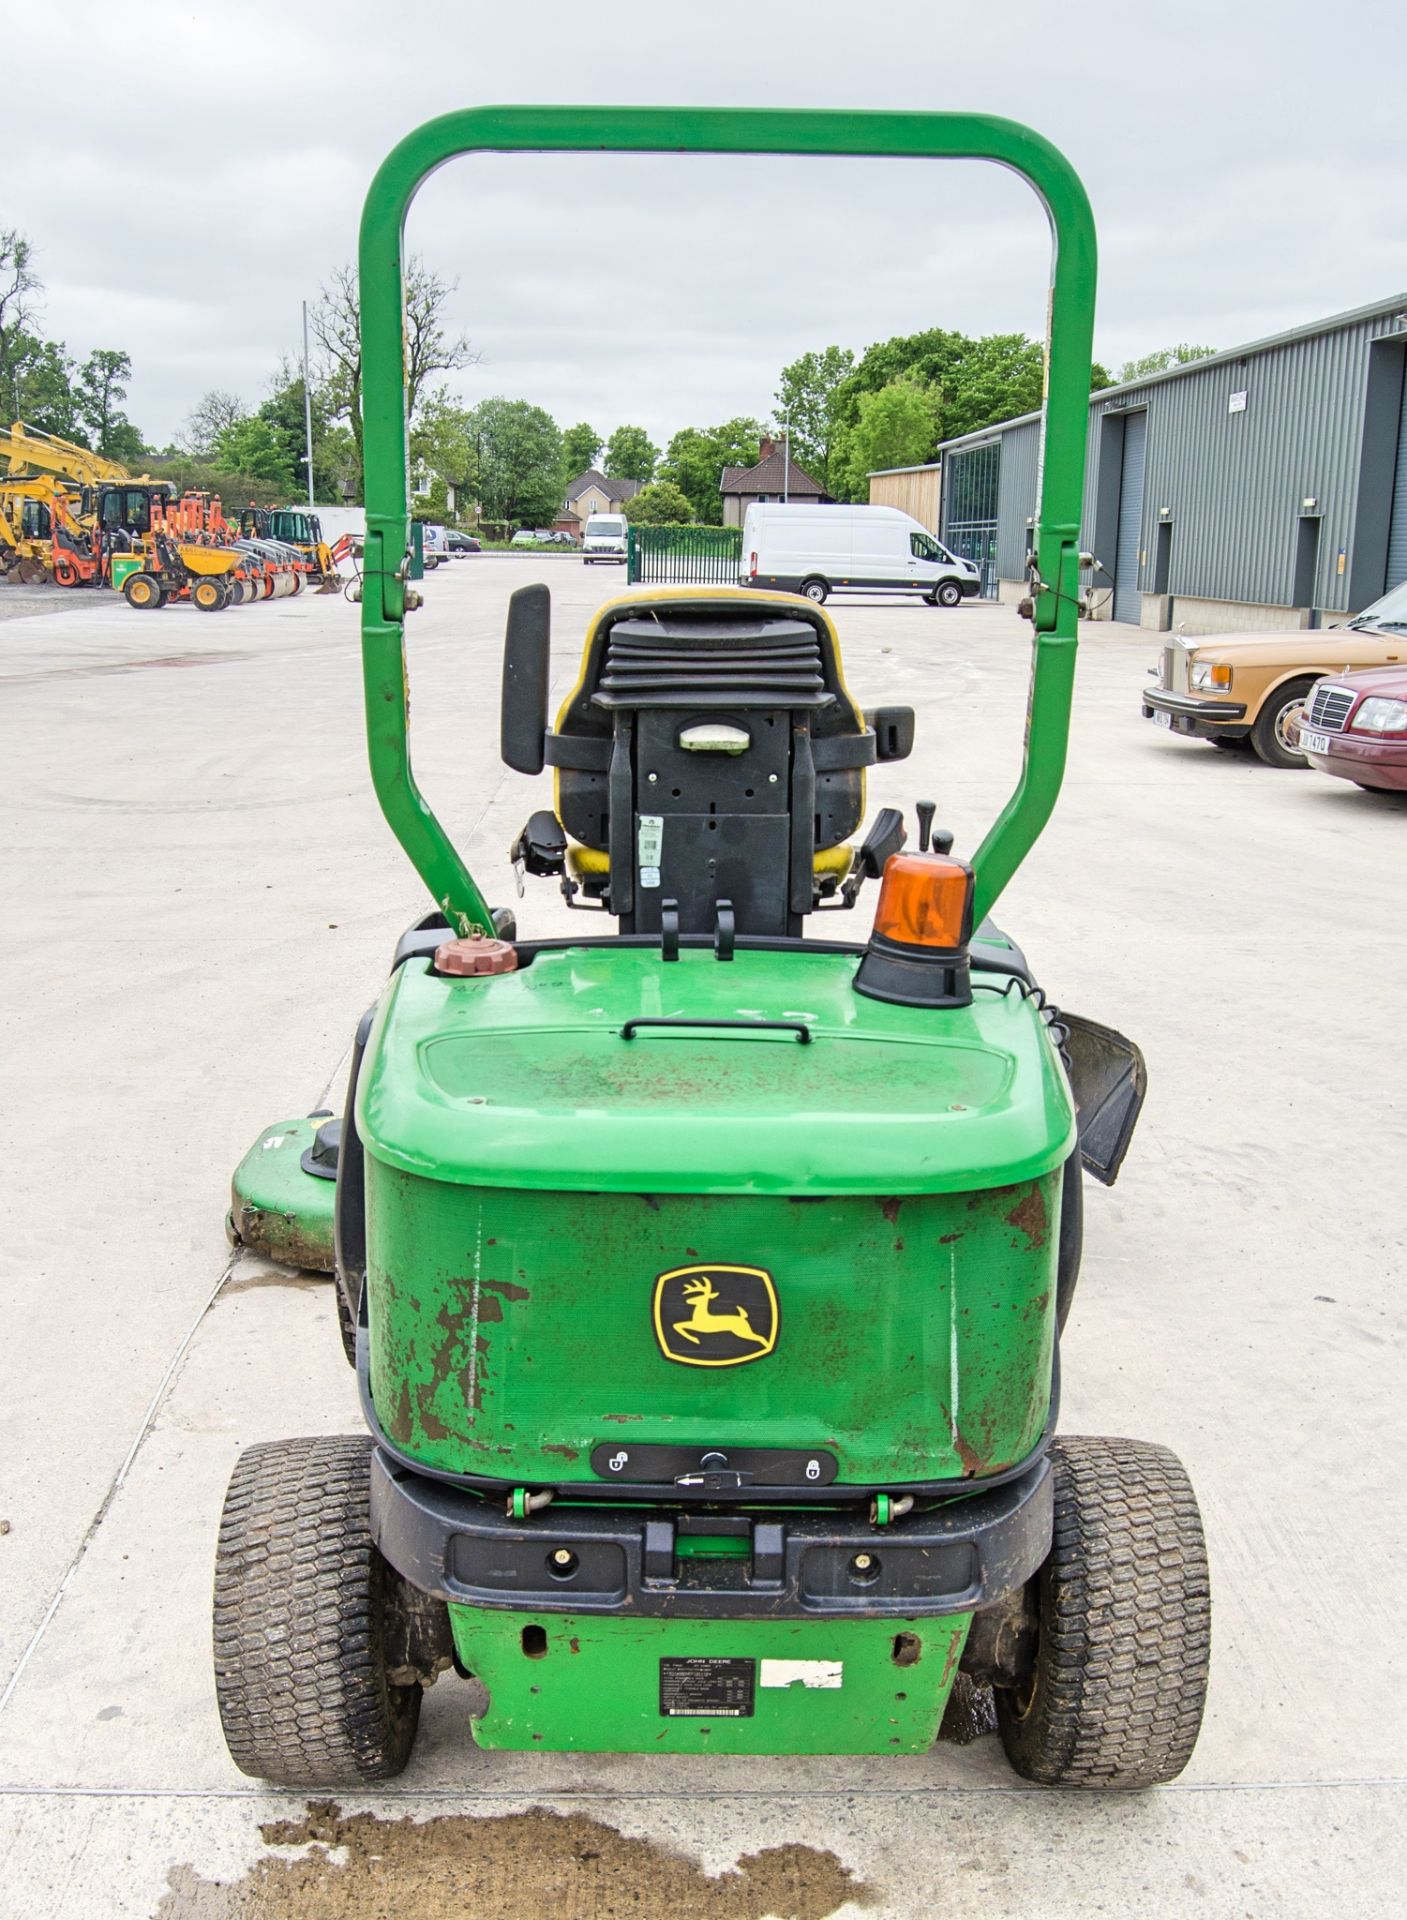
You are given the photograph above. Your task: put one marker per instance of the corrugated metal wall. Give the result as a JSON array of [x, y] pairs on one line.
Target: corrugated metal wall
[[1233, 483], [1016, 499]]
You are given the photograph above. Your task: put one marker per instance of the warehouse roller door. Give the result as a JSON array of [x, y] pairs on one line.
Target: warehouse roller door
[[1397, 535], [1128, 602]]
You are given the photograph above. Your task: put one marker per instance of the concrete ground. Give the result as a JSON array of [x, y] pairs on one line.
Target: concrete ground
[[202, 899]]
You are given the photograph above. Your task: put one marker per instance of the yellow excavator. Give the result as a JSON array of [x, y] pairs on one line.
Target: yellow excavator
[[46, 505]]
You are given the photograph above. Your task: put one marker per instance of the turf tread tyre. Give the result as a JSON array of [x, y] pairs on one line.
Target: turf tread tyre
[[1124, 1637], [301, 1597]]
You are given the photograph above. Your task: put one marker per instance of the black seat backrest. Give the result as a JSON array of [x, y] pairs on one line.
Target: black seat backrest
[[711, 749]]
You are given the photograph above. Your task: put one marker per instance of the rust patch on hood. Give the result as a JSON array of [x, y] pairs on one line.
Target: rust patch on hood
[[513, 1866], [1031, 1218]]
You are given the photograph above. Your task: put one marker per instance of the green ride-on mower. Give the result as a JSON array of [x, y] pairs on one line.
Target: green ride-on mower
[[704, 1281]]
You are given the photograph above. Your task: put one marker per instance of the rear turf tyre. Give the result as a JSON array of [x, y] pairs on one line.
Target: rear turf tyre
[[1270, 735], [948, 595], [817, 590], [301, 1616], [1123, 1609]]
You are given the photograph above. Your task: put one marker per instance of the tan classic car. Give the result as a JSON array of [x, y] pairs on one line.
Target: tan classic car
[[1251, 686]]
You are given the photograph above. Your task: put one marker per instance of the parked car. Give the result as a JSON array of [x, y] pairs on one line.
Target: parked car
[[561, 538], [819, 551], [1231, 687], [604, 539], [461, 543], [1354, 725]]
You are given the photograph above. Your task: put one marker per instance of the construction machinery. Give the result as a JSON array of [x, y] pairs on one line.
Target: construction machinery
[[298, 528], [75, 518], [705, 1281]]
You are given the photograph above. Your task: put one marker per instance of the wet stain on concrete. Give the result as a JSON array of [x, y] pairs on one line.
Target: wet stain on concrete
[[517, 1866], [299, 1278]]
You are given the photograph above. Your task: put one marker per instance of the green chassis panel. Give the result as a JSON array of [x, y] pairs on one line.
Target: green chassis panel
[[278, 1209], [512, 1333], [595, 1685]]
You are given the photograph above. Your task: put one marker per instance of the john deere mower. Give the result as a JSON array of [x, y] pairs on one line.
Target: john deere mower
[[704, 1279]]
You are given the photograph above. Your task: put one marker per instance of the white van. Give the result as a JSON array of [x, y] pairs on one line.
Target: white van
[[823, 550], [435, 547], [604, 538]]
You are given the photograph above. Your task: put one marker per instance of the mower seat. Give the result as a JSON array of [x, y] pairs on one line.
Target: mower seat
[[709, 760]]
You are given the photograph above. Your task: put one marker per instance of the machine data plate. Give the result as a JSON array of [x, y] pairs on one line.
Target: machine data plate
[[702, 1687]]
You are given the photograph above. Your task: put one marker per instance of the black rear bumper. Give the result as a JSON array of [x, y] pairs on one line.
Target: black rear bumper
[[954, 1558]]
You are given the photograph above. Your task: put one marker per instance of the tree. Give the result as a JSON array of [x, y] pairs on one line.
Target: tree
[[20, 287], [1160, 360], [661, 504], [125, 444], [806, 406], [975, 383], [631, 454], [41, 375], [444, 440], [517, 461], [696, 457], [429, 348], [581, 447], [283, 411], [254, 447], [896, 427], [213, 414], [100, 389]]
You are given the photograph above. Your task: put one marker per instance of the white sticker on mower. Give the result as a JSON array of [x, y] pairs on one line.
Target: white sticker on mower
[[650, 844], [806, 1673], [275, 1140]]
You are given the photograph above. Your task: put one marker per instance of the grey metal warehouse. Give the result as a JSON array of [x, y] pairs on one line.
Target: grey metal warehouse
[[1261, 487]]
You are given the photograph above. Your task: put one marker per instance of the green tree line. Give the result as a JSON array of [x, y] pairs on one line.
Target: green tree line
[[844, 414]]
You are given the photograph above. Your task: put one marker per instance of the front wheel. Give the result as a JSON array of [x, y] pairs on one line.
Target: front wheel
[[1271, 736], [1118, 1681], [303, 1605], [209, 594], [948, 594], [142, 590], [816, 590]]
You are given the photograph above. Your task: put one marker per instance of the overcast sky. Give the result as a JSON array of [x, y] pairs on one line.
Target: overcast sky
[[189, 174]]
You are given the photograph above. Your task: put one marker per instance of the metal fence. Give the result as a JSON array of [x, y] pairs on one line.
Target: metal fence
[[684, 556]]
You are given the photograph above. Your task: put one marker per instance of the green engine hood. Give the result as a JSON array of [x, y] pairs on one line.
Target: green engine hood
[[524, 1080]]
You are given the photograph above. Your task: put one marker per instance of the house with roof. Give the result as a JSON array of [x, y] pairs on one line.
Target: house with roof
[[775, 476], [592, 492]]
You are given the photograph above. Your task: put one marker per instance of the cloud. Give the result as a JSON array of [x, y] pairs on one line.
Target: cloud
[[1238, 183]]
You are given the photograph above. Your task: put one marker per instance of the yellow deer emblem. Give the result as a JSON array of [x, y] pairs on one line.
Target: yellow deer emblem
[[701, 1294], [719, 1329]]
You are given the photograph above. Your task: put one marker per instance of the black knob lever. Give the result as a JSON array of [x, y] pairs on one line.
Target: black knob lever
[[925, 810], [943, 841]]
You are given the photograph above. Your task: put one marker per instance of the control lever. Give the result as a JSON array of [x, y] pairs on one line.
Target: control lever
[[925, 810]]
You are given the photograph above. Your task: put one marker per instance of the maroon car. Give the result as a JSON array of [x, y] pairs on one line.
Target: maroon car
[[1354, 725]]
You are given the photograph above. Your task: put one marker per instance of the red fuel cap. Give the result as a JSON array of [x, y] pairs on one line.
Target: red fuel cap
[[476, 954]]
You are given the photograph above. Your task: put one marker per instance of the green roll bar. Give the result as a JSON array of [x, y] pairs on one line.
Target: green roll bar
[[565, 129]]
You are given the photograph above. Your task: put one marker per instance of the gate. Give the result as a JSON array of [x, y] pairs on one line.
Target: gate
[[971, 478], [684, 556]]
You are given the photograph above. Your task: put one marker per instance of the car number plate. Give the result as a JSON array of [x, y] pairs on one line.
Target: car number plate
[[1313, 742], [1161, 719]]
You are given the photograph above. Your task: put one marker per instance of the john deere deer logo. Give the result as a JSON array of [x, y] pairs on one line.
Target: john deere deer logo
[[715, 1316]]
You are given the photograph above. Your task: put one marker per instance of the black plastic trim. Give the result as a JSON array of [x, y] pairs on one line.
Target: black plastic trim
[[957, 1557], [1186, 706]]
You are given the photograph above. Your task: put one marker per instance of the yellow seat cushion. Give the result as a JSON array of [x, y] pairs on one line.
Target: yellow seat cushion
[[594, 860]]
